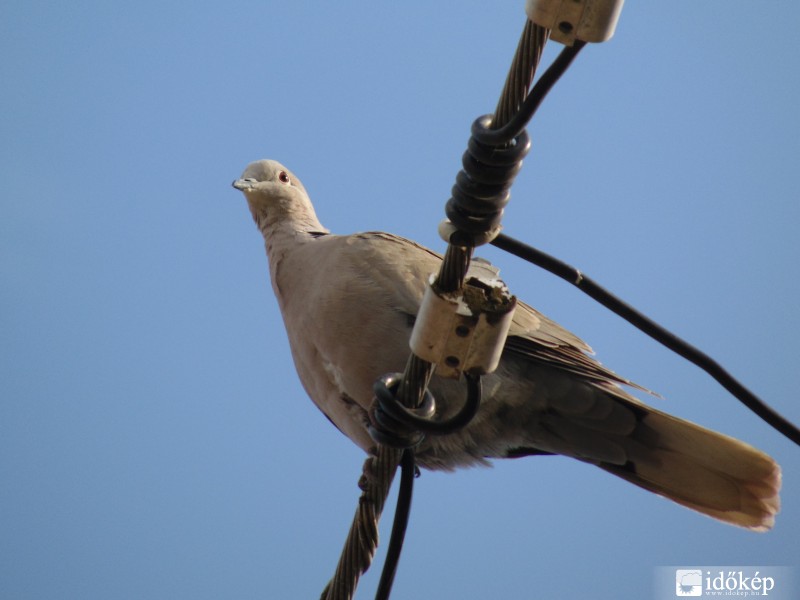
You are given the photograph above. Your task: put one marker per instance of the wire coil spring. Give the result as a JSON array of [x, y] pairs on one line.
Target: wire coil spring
[[482, 188]]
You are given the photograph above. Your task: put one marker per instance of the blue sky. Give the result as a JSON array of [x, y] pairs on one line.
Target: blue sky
[[154, 439]]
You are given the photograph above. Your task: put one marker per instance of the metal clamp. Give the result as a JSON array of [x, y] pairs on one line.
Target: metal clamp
[[465, 332], [568, 20]]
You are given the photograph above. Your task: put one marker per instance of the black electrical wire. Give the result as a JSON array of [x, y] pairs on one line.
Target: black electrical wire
[[408, 471], [651, 328], [389, 419], [490, 164], [393, 429], [479, 197], [531, 104]]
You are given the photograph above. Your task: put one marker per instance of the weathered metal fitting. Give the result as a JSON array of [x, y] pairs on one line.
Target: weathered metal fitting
[[465, 331], [568, 20]]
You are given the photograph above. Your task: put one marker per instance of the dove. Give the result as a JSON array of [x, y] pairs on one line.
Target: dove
[[349, 303]]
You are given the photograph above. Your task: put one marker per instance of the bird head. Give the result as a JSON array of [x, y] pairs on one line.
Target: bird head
[[275, 195]]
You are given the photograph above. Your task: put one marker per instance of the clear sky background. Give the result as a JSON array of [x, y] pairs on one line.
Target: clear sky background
[[154, 439]]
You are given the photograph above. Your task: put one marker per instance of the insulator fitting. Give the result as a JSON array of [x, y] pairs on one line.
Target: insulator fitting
[[465, 331], [570, 20], [481, 191]]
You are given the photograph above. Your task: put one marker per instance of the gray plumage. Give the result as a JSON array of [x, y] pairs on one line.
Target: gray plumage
[[349, 302]]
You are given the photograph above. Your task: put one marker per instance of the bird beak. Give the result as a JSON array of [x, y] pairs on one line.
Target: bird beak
[[243, 184]]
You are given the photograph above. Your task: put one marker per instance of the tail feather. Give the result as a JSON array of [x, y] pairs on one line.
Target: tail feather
[[701, 469]]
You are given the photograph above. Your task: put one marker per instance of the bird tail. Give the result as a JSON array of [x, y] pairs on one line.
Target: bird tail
[[701, 469]]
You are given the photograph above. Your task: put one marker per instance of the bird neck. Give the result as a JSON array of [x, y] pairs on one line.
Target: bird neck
[[284, 231], [284, 224]]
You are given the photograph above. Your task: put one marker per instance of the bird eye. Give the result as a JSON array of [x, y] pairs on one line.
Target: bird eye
[[283, 177]]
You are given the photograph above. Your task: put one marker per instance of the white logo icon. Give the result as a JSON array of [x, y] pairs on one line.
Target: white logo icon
[[688, 582]]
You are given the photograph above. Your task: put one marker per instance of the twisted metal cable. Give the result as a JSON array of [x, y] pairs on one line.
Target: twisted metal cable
[[518, 83], [362, 540], [520, 76], [376, 480], [379, 469]]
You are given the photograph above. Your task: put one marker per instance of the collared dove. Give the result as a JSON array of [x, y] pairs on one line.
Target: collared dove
[[349, 303]]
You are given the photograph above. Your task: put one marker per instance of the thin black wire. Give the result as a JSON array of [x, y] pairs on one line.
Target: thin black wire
[[408, 470], [388, 404], [361, 539], [391, 405], [538, 93], [506, 134], [651, 328]]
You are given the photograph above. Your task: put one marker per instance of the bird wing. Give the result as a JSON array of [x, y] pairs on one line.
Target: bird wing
[[540, 339], [533, 335]]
